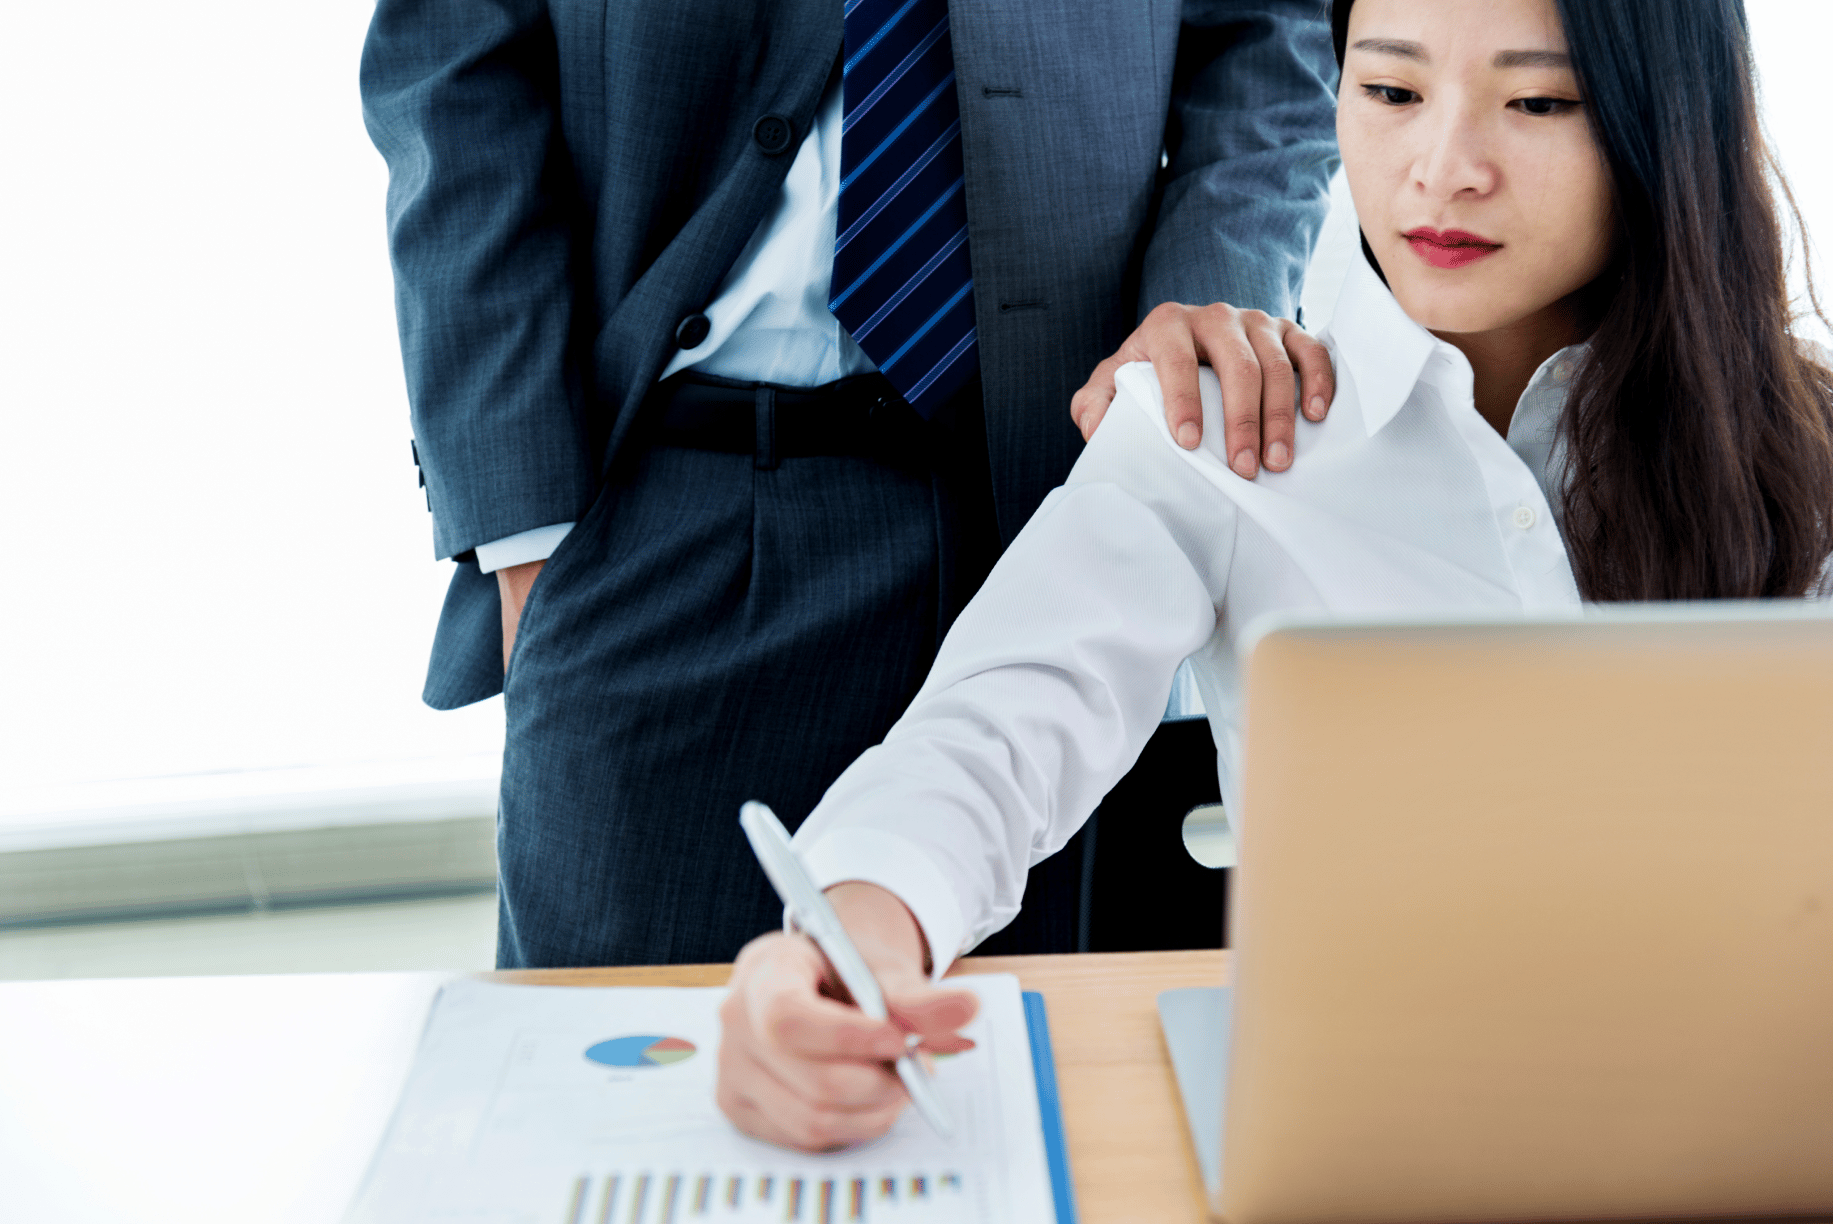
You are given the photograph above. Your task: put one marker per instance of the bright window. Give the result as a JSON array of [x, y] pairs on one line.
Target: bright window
[[217, 559]]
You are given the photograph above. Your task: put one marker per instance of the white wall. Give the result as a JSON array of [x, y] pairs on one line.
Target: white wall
[[1790, 38]]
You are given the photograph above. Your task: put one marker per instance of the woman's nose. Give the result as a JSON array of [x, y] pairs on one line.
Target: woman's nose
[[1457, 157]]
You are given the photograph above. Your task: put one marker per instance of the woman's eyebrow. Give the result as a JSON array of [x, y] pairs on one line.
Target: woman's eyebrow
[[1393, 46], [1532, 59]]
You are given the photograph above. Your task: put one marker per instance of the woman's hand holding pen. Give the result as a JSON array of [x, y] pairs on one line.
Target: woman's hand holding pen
[[798, 1064]]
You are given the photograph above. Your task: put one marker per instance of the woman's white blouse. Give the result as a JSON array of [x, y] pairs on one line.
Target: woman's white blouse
[[1403, 502]]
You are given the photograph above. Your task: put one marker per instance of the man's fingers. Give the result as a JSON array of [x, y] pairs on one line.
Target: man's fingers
[[1265, 365], [1173, 352], [1278, 388], [1089, 405], [1222, 336], [1317, 377]]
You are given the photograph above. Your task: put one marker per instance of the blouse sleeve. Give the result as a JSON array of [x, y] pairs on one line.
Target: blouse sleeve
[[1045, 690]]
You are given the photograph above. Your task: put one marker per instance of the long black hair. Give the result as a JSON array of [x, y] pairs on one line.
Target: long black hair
[[1699, 433]]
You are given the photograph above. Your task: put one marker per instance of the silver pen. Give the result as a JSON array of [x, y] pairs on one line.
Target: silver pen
[[770, 842]]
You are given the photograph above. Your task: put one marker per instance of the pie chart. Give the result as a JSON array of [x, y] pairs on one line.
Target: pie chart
[[641, 1051]]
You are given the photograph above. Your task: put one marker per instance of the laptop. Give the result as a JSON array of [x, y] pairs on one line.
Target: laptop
[[1533, 921]]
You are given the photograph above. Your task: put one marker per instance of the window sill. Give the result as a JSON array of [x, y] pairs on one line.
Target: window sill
[[264, 839]]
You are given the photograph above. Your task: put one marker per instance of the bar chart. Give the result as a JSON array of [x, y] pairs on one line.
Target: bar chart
[[680, 1198]]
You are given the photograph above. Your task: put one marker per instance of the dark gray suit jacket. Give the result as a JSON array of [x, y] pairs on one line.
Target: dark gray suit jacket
[[570, 178]]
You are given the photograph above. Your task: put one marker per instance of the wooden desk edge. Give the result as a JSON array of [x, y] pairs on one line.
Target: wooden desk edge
[[1172, 969]]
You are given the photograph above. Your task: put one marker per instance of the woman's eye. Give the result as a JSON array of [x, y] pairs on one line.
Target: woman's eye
[[1392, 95], [1543, 106]]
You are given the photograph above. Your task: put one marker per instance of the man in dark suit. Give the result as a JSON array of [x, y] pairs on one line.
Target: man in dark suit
[[752, 328]]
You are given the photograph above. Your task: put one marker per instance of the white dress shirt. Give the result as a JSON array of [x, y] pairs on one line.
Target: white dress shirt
[[770, 321], [1403, 502]]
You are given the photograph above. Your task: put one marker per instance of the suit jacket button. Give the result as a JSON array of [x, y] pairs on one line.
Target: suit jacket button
[[691, 332], [772, 134]]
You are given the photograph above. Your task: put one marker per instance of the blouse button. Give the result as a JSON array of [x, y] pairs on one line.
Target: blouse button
[[1524, 517]]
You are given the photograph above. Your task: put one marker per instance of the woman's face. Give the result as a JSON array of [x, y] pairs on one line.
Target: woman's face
[[1473, 169]]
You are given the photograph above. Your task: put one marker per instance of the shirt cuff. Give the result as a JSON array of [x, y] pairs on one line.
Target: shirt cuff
[[901, 867], [521, 548]]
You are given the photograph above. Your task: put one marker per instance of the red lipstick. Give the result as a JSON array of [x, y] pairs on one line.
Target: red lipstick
[[1452, 248]]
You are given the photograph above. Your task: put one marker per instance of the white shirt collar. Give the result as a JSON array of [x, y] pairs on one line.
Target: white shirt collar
[[1388, 354], [1385, 350]]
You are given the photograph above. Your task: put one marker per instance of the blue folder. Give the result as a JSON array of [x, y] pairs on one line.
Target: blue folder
[[1050, 1107]]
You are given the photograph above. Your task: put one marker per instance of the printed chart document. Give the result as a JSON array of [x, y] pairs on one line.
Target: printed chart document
[[583, 1105]]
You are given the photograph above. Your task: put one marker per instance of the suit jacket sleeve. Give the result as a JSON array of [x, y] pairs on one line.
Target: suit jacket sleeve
[[460, 98], [1251, 143]]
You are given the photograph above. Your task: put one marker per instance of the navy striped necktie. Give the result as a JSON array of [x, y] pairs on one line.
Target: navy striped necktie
[[902, 284]]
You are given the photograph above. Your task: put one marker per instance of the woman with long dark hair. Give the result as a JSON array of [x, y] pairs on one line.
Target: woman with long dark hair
[[1697, 447], [1565, 372]]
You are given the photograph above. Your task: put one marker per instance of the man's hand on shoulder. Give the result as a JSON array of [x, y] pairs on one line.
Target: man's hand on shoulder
[[513, 583], [1257, 357]]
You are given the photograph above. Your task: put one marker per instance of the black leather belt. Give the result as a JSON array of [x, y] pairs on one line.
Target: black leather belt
[[854, 416]]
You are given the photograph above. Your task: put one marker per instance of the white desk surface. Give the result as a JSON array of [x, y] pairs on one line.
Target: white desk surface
[[141, 1101]]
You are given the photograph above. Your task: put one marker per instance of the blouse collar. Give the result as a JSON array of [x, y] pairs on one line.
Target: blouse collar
[[1385, 350], [1388, 354]]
